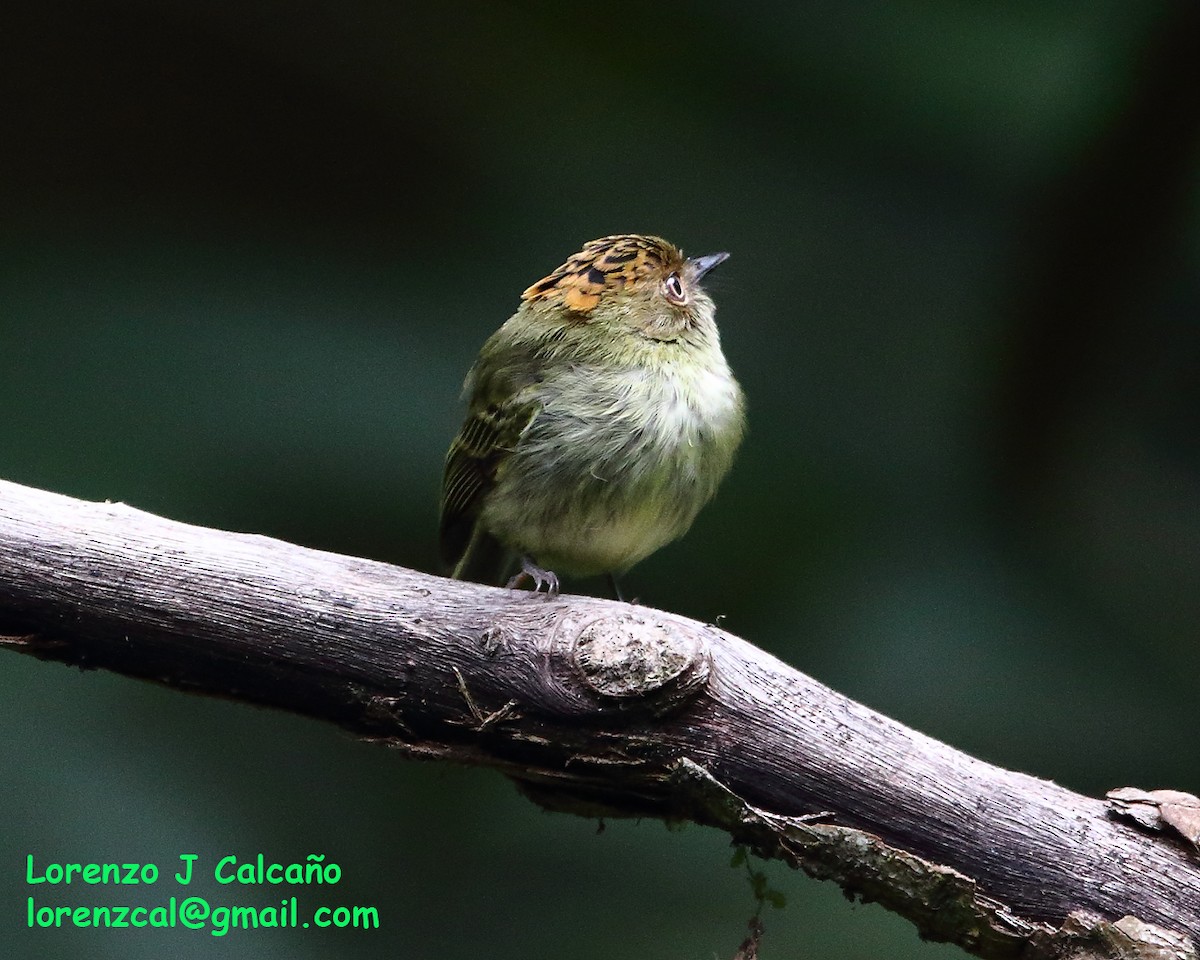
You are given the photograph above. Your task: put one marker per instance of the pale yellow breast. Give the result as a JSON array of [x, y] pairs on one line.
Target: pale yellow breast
[[626, 472]]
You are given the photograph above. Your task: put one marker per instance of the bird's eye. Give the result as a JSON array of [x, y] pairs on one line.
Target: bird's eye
[[673, 288]]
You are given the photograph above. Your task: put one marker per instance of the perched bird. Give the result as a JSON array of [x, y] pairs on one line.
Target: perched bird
[[602, 416]]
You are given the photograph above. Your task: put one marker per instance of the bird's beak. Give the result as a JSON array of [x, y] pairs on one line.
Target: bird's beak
[[701, 265]]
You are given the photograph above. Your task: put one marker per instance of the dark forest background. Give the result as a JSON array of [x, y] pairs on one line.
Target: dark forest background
[[248, 251]]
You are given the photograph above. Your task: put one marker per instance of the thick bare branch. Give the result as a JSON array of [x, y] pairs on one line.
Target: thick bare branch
[[599, 708]]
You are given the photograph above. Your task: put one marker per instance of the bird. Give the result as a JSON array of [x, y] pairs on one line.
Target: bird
[[602, 416]]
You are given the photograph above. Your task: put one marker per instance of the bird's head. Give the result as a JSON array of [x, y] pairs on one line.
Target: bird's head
[[639, 283]]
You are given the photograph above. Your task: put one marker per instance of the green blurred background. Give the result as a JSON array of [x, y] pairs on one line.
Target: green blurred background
[[250, 250]]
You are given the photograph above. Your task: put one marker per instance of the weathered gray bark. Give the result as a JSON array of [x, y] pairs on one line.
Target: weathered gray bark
[[598, 707]]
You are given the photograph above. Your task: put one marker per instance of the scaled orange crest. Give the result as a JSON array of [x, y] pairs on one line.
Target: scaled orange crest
[[608, 264]]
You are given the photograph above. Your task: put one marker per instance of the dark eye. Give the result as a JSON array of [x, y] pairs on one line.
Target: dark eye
[[673, 288]]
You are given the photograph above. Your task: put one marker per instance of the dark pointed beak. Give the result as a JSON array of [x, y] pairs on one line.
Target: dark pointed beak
[[701, 265]]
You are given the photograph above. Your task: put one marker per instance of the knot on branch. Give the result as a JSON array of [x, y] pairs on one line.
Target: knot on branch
[[636, 661]]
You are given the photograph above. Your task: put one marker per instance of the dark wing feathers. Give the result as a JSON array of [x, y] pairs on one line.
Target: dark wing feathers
[[487, 436]]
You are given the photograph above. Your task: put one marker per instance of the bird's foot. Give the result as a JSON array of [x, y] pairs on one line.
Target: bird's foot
[[540, 577]]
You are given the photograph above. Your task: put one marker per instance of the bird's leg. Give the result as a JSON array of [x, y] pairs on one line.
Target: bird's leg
[[615, 587], [540, 577]]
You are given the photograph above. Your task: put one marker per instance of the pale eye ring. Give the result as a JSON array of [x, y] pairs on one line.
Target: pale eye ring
[[673, 288]]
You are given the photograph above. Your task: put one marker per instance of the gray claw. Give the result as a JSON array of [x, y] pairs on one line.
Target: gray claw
[[540, 577]]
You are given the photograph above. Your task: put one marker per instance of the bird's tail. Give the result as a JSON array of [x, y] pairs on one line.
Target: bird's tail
[[485, 560]]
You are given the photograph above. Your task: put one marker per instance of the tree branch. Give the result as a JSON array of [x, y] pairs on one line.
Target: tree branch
[[599, 707]]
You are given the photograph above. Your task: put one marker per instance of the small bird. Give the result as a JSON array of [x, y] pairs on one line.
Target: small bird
[[602, 416]]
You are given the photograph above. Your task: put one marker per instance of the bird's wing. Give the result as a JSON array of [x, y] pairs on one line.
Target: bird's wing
[[489, 434]]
